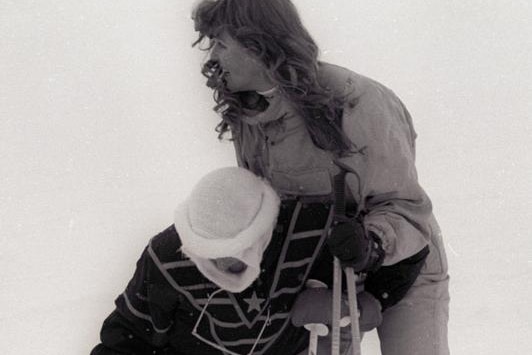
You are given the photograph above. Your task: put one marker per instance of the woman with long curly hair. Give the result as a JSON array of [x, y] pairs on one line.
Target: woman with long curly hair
[[300, 122]]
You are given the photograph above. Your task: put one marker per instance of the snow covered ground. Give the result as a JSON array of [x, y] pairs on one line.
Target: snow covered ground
[[105, 124]]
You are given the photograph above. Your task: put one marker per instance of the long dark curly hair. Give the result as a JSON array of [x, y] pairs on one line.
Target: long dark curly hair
[[273, 31]]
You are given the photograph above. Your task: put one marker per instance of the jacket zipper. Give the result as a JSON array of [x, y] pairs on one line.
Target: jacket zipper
[[265, 153]]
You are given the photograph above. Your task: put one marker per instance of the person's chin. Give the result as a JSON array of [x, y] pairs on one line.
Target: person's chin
[[232, 88], [237, 268]]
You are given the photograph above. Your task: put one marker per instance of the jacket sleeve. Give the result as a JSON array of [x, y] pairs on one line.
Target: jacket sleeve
[[385, 184], [142, 320]]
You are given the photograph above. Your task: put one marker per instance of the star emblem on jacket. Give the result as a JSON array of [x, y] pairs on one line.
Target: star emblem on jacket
[[254, 302]]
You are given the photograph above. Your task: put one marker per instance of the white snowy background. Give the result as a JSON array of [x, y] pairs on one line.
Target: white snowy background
[[105, 124]]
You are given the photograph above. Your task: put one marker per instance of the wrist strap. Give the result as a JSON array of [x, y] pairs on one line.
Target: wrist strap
[[339, 196]]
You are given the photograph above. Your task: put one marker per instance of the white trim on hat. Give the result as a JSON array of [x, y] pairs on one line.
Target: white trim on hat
[[228, 281]]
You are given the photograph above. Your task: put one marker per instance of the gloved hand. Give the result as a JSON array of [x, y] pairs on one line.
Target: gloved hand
[[355, 247], [314, 305]]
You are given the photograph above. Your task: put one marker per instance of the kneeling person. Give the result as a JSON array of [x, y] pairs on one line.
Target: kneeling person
[[225, 276]]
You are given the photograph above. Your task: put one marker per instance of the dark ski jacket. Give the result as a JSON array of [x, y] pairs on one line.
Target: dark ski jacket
[[164, 300]]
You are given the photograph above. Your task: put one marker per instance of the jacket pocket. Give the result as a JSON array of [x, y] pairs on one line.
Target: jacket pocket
[[389, 284], [436, 263], [307, 182]]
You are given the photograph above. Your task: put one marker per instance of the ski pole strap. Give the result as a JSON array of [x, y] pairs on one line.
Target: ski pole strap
[[339, 196]]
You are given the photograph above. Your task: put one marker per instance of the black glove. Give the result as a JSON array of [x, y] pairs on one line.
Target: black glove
[[350, 243]]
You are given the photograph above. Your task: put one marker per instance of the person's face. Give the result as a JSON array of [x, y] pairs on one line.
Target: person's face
[[232, 265], [242, 70]]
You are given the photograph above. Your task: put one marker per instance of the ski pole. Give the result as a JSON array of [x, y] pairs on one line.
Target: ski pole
[[336, 307], [340, 215], [351, 279], [315, 329]]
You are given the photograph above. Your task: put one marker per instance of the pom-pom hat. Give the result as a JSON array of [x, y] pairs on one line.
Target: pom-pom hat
[[227, 212]]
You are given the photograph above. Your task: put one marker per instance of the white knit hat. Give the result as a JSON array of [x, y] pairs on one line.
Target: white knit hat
[[227, 212]]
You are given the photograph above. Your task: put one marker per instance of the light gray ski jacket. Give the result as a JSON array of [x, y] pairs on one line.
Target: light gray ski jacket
[[384, 184]]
